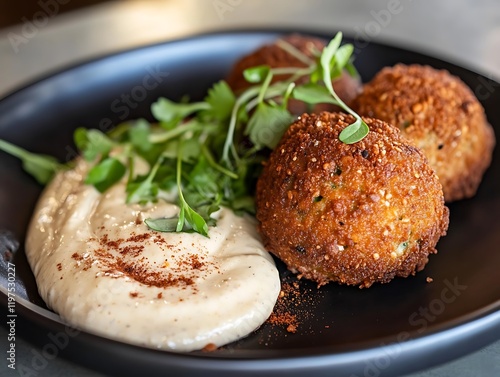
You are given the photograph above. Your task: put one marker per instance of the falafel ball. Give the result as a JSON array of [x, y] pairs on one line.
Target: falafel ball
[[346, 86], [439, 114], [352, 213]]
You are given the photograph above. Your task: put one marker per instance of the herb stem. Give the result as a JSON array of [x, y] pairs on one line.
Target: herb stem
[[244, 97], [265, 86], [20, 153], [295, 52], [215, 165], [157, 138], [273, 91]]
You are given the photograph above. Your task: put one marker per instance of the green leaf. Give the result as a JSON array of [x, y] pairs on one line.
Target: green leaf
[[313, 94], [256, 74], [203, 178], [139, 135], [196, 221], [41, 167], [143, 190], [171, 113], [354, 132], [244, 203], [206, 210], [333, 59], [165, 176], [326, 60], [163, 224], [192, 150], [105, 174], [267, 125], [341, 59], [92, 143], [351, 69], [221, 100]]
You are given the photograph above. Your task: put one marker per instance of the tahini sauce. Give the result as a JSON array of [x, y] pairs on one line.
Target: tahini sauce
[[103, 270]]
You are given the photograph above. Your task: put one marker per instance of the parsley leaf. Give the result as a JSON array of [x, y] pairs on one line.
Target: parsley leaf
[[256, 74], [139, 135], [313, 94], [170, 113], [105, 174], [92, 143], [163, 224], [267, 125], [221, 100], [187, 214]]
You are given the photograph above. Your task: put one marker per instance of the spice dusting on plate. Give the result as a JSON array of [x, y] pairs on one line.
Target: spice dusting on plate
[[282, 313]]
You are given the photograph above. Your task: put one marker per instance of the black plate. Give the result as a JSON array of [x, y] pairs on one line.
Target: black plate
[[389, 329]]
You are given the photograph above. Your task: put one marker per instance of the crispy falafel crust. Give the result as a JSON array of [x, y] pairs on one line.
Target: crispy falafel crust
[[441, 115], [346, 86], [355, 214]]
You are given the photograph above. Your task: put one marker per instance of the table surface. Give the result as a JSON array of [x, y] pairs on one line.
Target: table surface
[[465, 32]]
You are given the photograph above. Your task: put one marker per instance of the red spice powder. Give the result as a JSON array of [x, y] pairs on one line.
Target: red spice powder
[[281, 315]]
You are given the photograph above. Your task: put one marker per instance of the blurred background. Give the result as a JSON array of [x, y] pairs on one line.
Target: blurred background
[[13, 12], [40, 36]]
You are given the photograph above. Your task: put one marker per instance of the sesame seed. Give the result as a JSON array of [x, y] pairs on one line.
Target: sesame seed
[[376, 256], [340, 247], [314, 159]]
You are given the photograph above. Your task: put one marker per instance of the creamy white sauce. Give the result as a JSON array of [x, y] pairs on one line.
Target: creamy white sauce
[[99, 266]]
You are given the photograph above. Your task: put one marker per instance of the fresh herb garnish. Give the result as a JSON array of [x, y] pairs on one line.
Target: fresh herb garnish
[[333, 60], [41, 167], [208, 153], [105, 174]]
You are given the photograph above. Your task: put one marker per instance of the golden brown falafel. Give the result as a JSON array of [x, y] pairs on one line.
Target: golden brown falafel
[[346, 86], [438, 113], [356, 214]]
